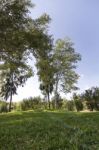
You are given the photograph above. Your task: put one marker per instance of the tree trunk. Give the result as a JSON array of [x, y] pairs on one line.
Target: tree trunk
[[56, 91], [10, 102], [48, 100], [11, 86]]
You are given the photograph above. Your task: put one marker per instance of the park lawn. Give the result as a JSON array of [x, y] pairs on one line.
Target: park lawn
[[49, 131]]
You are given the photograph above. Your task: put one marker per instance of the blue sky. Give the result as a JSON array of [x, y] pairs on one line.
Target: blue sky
[[79, 20]]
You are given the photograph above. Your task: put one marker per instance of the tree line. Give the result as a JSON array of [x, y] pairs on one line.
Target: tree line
[[88, 100]]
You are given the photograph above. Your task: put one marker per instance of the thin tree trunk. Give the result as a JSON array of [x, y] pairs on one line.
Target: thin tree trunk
[[10, 102], [56, 91], [11, 93], [48, 100]]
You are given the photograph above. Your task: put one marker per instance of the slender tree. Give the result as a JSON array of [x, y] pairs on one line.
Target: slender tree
[[64, 61], [46, 77], [78, 102], [13, 75]]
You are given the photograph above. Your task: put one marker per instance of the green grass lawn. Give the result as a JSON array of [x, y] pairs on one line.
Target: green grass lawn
[[49, 131]]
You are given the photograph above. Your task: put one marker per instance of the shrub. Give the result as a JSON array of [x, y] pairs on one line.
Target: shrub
[[17, 106], [31, 103], [3, 107], [90, 105], [78, 105], [70, 105], [57, 102]]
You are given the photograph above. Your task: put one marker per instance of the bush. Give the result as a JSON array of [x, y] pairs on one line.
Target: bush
[[3, 107], [31, 103], [70, 105], [78, 105], [57, 102], [17, 106], [90, 105]]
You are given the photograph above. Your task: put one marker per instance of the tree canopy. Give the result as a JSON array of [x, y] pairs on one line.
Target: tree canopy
[[65, 59]]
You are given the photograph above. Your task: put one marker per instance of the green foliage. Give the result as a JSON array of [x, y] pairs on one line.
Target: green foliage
[[57, 102], [70, 105], [31, 103], [49, 131], [64, 106], [88, 97], [16, 106], [91, 97], [56, 69], [21, 36], [3, 107], [64, 60], [96, 97], [20, 33], [46, 75], [78, 102], [14, 22], [13, 77]]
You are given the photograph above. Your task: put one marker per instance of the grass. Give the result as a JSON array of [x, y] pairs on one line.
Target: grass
[[49, 131]]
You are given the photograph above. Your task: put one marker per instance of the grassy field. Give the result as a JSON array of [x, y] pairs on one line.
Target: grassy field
[[49, 131]]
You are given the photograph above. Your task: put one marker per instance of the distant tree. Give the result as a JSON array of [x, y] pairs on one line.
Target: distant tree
[[70, 105], [88, 97], [31, 103], [91, 96], [78, 102], [3, 106], [57, 101], [96, 97]]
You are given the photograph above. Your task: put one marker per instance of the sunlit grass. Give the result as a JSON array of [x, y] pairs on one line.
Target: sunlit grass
[[49, 131]]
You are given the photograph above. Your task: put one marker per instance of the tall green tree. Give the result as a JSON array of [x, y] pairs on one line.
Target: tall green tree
[[46, 76], [78, 102], [20, 35], [64, 61]]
